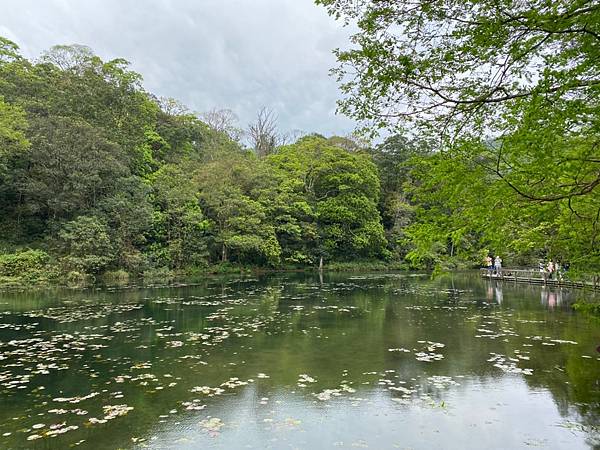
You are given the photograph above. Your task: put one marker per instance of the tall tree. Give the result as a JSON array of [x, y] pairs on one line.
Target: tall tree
[[263, 133], [394, 159], [239, 227], [71, 166], [13, 141], [340, 190], [179, 226]]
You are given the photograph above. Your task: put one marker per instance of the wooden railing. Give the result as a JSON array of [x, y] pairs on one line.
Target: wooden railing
[[534, 276]]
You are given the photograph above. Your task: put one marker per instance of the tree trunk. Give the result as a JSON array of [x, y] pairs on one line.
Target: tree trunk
[[224, 253]]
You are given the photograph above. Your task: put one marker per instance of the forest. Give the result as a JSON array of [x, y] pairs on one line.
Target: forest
[[99, 177]]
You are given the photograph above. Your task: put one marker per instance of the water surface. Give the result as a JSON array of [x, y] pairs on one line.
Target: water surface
[[294, 361]]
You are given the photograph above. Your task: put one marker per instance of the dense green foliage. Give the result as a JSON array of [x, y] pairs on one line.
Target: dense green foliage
[[334, 195], [510, 91], [99, 176], [591, 308]]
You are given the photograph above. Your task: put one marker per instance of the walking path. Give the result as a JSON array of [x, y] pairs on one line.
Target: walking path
[[533, 276]]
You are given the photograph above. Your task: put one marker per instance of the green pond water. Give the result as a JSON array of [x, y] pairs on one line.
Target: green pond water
[[295, 361]]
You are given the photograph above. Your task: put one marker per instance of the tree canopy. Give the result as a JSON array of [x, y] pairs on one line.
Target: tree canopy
[[509, 90]]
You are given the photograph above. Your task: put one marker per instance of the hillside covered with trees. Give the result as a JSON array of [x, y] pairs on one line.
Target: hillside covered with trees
[[99, 176]]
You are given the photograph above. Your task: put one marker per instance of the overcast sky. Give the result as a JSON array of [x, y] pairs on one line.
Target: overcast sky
[[237, 54]]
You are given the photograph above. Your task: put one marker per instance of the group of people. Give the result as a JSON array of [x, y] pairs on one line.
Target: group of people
[[493, 264], [552, 269]]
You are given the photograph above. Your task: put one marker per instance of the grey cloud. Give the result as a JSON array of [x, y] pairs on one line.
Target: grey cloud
[[238, 54]]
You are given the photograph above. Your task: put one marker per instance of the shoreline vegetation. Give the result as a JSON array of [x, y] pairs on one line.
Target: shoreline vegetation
[[35, 268]]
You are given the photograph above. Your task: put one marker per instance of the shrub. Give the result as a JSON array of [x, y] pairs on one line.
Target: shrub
[[78, 279], [119, 277], [86, 244], [161, 274], [26, 266], [16, 264]]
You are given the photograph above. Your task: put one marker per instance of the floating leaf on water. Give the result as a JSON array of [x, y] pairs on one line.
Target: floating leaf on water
[[75, 399], [303, 378], [212, 424]]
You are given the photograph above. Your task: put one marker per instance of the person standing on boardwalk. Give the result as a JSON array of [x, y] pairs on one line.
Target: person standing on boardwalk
[[542, 268], [498, 265], [488, 263], [550, 268]]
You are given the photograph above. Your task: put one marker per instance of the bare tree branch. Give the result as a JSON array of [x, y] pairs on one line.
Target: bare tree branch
[[263, 132], [223, 121]]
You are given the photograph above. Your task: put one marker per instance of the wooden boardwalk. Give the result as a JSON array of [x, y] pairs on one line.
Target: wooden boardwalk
[[532, 276]]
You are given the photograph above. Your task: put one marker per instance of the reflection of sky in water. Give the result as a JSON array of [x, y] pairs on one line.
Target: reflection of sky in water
[[293, 361], [494, 413]]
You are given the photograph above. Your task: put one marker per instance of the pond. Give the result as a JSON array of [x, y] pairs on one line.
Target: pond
[[300, 361]]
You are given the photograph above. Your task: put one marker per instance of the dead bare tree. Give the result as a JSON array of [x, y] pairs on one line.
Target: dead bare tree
[[263, 132], [291, 137], [73, 58], [223, 121], [172, 107]]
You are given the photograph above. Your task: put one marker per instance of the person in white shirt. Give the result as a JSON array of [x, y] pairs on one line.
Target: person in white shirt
[[498, 265]]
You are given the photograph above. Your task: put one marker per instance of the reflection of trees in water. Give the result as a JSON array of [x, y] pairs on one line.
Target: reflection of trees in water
[[572, 380], [322, 342]]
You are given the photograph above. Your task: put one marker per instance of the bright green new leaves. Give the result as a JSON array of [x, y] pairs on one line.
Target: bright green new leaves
[[511, 90], [457, 62], [178, 222], [462, 211]]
